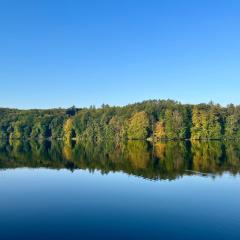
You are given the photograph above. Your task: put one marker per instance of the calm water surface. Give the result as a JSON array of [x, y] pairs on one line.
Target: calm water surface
[[173, 190]]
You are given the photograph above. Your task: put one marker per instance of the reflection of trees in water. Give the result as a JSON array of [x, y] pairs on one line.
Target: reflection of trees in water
[[138, 154], [172, 157], [207, 156], [232, 151], [216, 156], [160, 150], [166, 160]]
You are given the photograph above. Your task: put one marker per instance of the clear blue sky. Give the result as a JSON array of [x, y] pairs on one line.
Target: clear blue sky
[[63, 52]]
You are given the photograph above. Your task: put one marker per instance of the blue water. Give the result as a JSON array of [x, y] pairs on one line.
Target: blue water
[[45, 203]]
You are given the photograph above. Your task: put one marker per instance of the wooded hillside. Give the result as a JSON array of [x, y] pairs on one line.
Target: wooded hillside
[[153, 119]]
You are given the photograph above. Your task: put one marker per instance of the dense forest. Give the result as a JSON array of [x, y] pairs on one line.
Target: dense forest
[[152, 120]]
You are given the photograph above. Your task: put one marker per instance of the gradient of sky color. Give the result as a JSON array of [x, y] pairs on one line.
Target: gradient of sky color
[[63, 52]]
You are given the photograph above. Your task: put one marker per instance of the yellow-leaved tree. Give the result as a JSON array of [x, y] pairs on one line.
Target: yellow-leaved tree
[[68, 129], [138, 126], [159, 130]]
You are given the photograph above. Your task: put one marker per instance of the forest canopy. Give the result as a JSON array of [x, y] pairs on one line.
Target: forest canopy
[[152, 120]]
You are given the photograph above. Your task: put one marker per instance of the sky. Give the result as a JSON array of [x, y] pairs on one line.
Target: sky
[[61, 53]]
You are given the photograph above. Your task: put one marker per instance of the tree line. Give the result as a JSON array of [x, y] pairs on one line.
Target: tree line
[[152, 120]]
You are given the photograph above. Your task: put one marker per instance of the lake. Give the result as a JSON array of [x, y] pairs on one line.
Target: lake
[[132, 190]]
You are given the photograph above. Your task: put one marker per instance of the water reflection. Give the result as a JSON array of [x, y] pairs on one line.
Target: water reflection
[[163, 160]]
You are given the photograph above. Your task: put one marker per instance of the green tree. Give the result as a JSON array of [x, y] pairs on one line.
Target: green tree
[[174, 124], [232, 127], [206, 123]]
